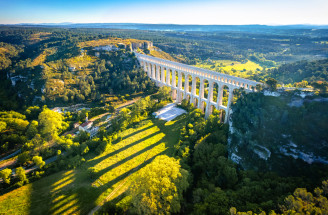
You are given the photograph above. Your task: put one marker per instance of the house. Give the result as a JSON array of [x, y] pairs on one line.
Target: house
[[57, 109], [72, 68], [86, 126], [76, 125]]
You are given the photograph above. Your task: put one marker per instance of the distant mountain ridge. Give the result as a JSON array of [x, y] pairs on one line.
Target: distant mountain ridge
[[177, 27]]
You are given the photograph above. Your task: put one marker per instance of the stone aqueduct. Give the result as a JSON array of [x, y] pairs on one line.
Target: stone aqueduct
[[161, 71]]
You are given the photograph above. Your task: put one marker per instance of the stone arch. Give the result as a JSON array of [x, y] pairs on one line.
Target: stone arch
[[222, 115], [214, 108], [203, 106], [180, 95], [183, 74], [215, 91], [188, 98], [158, 72], [225, 95], [206, 88], [153, 66], [195, 102], [189, 81], [167, 76], [246, 86], [197, 85]]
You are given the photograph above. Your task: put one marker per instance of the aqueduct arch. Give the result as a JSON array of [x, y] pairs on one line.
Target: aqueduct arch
[[163, 71]]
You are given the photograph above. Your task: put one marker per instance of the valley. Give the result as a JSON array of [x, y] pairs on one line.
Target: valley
[[79, 109]]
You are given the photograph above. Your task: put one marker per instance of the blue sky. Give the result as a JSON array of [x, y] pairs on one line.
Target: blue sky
[[272, 12]]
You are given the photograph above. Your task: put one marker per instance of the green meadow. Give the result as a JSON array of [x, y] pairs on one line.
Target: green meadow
[[235, 68], [77, 192]]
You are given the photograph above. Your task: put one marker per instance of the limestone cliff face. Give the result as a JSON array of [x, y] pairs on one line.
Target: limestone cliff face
[[271, 132]]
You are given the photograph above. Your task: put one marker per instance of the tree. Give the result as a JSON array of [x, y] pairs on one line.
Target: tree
[[50, 123], [158, 187], [322, 86], [84, 148], [20, 172], [216, 202], [38, 161], [272, 84], [3, 126], [301, 202], [5, 174], [164, 93], [32, 129], [32, 112], [23, 158]]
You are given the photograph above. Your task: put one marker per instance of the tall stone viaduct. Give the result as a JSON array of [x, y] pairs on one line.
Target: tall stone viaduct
[[171, 74]]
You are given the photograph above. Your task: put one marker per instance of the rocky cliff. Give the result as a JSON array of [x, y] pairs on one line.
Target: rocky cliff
[[279, 131]]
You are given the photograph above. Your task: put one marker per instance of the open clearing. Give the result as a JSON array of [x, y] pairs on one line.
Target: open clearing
[[74, 192], [232, 67], [169, 112]]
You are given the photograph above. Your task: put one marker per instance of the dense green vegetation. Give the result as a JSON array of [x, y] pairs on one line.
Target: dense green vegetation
[[49, 66], [218, 183], [99, 175], [310, 71], [137, 164]]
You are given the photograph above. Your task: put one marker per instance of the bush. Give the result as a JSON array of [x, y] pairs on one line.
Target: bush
[[23, 158]]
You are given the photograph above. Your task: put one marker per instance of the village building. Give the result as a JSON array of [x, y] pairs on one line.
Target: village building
[[76, 125], [86, 126]]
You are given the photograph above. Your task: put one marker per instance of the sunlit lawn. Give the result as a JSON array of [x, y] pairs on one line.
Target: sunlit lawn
[[228, 66], [74, 192], [249, 65]]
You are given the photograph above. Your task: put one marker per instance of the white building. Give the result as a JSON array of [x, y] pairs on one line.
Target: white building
[[93, 131], [86, 126]]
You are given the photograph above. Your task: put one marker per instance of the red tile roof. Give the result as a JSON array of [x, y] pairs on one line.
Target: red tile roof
[[86, 123]]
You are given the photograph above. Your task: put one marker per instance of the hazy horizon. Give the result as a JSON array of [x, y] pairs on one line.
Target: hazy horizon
[[137, 23], [183, 12]]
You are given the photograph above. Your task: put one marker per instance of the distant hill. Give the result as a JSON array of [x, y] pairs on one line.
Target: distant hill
[[173, 27], [302, 70]]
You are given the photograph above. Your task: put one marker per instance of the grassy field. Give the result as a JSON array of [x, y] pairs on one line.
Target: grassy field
[[37, 37], [249, 65], [42, 57], [82, 61], [75, 192], [231, 67]]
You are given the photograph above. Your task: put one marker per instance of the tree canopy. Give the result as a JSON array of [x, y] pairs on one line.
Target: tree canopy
[[50, 123], [158, 187]]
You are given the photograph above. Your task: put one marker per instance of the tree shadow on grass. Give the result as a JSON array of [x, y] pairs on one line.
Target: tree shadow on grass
[[46, 192], [98, 160], [71, 192], [133, 133], [103, 171], [123, 177]]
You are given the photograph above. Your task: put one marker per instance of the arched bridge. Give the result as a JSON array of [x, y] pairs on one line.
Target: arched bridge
[[171, 74]]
